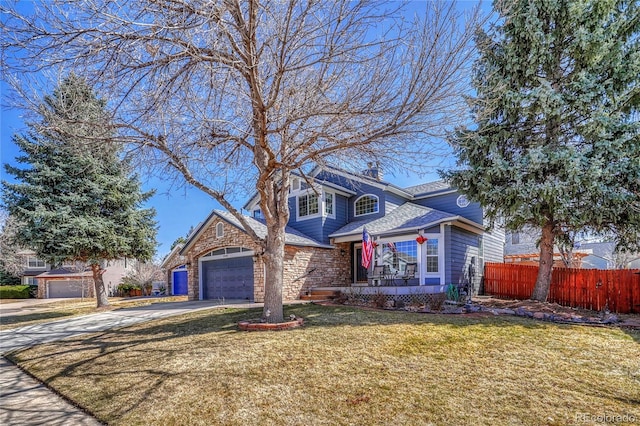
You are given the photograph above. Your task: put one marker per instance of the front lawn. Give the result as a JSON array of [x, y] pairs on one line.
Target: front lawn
[[46, 312], [347, 366]]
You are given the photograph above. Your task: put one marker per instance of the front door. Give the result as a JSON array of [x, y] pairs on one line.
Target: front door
[[360, 271]]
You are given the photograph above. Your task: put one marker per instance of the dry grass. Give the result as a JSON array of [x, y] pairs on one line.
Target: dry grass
[[347, 366], [46, 312]]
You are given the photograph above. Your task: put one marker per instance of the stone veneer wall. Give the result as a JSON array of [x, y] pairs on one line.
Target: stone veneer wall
[[304, 267], [173, 262]]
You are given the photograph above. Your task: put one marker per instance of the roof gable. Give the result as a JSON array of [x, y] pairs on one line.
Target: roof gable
[[292, 236]]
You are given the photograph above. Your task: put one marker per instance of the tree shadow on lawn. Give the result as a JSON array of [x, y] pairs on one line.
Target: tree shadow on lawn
[[18, 319], [164, 340]]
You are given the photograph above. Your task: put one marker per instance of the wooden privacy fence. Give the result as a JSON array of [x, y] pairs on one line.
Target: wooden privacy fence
[[595, 289]]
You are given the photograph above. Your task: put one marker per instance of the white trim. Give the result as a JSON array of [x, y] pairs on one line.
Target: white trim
[[355, 202], [200, 279], [356, 262], [331, 215], [441, 254], [319, 201], [247, 253], [436, 194], [383, 185], [462, 201], [354, 236], [35, 268]]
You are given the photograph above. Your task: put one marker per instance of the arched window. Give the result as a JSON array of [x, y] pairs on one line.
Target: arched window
[[366, 204], [220, 230]]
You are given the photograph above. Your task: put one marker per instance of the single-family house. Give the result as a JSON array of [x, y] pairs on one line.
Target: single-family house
[[71, 279], [588, 252], [426, 237]]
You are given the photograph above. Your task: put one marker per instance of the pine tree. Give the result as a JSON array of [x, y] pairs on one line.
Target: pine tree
[[555, 142], [76, 200]]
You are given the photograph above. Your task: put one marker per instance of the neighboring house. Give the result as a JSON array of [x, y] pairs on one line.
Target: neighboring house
[[587, 253], [32, 267], [70, 280], [76, 280], [430, 225]]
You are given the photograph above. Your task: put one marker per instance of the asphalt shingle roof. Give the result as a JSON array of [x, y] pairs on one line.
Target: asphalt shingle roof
[[292, 236], [426, 188], [406, 217]]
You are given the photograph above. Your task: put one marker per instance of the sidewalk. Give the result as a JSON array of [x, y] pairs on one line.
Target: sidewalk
[[25, 401]]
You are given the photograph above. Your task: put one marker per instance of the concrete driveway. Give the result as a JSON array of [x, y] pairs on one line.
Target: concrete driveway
[[25, 401]]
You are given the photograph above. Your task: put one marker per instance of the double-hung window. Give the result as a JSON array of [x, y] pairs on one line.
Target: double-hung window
[[328, 204], [307, 204], [432, 255], [35, 263]]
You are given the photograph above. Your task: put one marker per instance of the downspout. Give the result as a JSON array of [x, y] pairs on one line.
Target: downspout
[[441, 254]]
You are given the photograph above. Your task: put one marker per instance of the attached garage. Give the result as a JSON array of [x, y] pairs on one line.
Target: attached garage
[[66, 288], [227, 274], [180, 281]]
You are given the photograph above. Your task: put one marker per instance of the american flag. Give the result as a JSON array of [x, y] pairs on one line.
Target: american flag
[[392, 247], [367, 248]]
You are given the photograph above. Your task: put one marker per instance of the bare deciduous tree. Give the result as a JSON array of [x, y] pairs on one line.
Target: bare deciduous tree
[[144, 274], [11, 259], [232, 96]]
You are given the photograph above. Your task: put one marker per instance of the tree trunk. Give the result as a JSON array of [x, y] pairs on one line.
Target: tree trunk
[[543, 282], [101, 293], [274, 275]]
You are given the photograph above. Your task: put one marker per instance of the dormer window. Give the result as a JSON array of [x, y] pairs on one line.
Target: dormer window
[[367, 204]]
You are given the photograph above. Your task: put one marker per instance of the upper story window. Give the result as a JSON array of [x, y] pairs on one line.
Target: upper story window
[[328, 204], [220, 230], [366, 204], [307, 204], [257, 214], [515, 238], [295, 184], [35, 263]]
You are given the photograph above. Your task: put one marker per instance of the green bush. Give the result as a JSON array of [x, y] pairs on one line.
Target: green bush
[[14, 292], [125, 289]]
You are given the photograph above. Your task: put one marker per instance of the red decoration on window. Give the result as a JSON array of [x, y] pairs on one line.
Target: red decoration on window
[[421, 239], [374, 244]]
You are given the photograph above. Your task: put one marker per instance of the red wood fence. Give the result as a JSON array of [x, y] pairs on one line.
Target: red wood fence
[[595, 289]]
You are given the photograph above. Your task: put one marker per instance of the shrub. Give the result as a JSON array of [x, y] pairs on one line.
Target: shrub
[[124, 289], [14, 292]]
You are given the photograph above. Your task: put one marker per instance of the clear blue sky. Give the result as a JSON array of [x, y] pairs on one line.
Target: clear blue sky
[[177, 209]]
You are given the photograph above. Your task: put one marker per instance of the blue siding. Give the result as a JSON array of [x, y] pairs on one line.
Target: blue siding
[[462, 252], [493, 246], [330, 225], [447, 203], [361, 188], [320, 227]]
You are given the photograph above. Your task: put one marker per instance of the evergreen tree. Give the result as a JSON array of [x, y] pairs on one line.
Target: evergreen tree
[[555, 141], [76, 200]]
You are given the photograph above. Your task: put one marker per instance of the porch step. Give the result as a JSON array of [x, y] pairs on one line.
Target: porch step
[[320, 295]]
